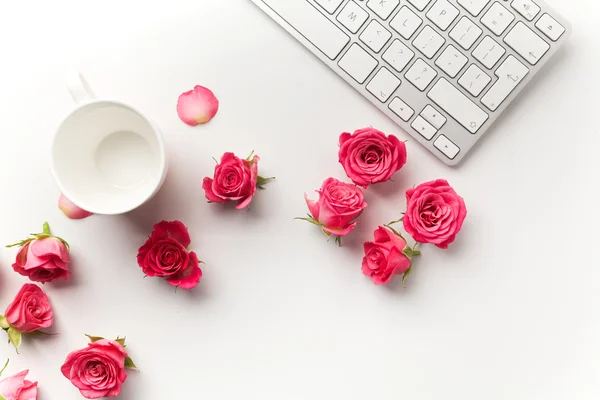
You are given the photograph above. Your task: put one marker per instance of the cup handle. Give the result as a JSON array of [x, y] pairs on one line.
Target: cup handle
[[79, 88]]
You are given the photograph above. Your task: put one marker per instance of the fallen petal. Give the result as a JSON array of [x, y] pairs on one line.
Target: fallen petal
[[70, 209], [198, 106]]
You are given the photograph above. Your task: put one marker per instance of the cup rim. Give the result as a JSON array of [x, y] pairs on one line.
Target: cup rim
[[105, 211]]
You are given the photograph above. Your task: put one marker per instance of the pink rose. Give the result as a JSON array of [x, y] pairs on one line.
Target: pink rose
[[165, 255], [434, 213], [98, 370], [30, 310], [16, 387], [338, 206], [368, 156], [43, 258], [234, 180], [386, 256]]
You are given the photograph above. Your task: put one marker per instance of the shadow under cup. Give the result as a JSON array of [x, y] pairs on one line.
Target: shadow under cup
[[107, 158]]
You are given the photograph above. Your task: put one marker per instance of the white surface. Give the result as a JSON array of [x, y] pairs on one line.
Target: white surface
[[509, 312]]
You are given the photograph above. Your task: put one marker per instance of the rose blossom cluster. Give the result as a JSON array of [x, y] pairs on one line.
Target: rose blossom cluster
[[434, 211]]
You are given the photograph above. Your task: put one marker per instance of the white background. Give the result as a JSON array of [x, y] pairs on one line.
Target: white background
[[511, 311]]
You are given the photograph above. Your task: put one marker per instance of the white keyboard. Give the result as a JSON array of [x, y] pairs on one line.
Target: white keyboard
[[443, 70]]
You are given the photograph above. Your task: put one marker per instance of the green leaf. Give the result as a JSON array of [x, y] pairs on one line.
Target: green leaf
[[121, 341], [3, 368], [94, 338], [14, 336], [129, 364], [260, 183], [406, 275], [3, 322]]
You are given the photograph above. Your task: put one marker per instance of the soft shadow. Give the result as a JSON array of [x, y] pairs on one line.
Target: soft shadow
[[73, 280], [393, 187]]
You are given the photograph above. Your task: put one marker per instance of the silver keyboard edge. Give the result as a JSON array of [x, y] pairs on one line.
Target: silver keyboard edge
[[471, 139]]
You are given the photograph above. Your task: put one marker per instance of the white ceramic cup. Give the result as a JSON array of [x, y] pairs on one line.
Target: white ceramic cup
[[107, 157]]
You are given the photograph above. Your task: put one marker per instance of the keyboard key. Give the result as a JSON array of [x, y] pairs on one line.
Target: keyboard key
[[443, 144], [406, 22], [419, 4], [421, 74], [497, 19], [474, 7], [401, 109], [375, 36], [451, 61], [550, 27], [383, 85], [429, 42], [398, 55], [313, 25], [383, 8], [474, 80], [352, 16], [443, 14], [527, 43], [329, 5], [465, 33], [358, 63], [526, 8], [433, 116], [424, 128], [489, 52], [509, 74], [459, 106]]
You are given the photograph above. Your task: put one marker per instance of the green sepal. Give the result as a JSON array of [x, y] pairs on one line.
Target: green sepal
[[406, 275], [410, 253], [14, 337], [121, 341], [261, 182], [3, 322], [396, 221], [2, 397], [129, 364], [395, 231], [250, 156], [21, 243], [3, 368], [46, 228], [338, 241], [310, 219], [94, 338], [40, 333]]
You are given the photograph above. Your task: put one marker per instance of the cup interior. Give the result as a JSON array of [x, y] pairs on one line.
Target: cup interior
[[107, 158]]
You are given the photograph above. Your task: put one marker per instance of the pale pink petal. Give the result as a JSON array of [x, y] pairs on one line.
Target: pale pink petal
[[198, 106], [70, 209]]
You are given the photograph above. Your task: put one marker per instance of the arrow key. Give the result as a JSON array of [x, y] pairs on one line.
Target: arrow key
[[446, 146], [383, 85]]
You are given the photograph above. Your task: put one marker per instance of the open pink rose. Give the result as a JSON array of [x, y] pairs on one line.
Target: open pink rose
[[165, 255], [43, 258], [16, 387], [385, 256], [30, 310], [434, 213], [368, 156], [338, 206], [234, 180], [98, 370], [197, 106]]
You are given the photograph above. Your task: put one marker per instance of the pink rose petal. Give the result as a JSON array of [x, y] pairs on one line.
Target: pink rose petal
[[70, 209], [198, 106]]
